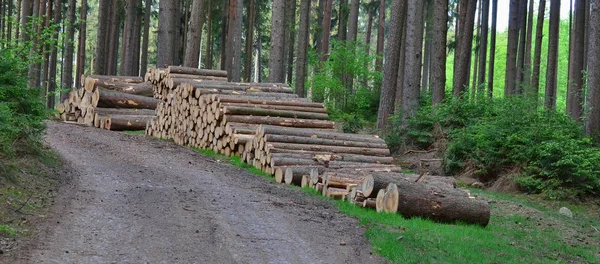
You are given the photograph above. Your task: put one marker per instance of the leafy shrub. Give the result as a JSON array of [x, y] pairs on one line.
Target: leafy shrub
[[494, 136]]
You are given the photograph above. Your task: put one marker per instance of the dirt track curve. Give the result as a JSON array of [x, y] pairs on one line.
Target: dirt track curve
[[133, 199]]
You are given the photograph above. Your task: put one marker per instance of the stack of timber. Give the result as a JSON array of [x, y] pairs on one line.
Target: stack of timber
[[110, 102], [164, 81]]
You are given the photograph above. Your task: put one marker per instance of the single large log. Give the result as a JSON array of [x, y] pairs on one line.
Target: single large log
[[283, 161], [324, 156], [194, 71], [332, 149], [127, 122], [111, 78], [265, 129], [275, 100], [143, 89], [124, 111], [228, 86], [279, 107], [322, 141], [279, 121], [241, 110], [438, 204], [204, 91], [374, 181], [114, 99]]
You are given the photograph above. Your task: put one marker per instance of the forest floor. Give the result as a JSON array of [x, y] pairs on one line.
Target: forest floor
[[132, 199]]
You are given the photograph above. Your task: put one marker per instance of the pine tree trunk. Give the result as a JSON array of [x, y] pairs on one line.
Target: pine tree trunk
[[318, 32], [521, 51], [427, 49], [276, 53], [145, 42], [167, 35], [512, 49], [438, 50], [301, 60], [380, 37], [390, 72], [326, 30], [412, 63], [593, 121], [208, 61], [54, 57], [528, 44], [353, 22], [249, 41], [224, 27], [33, 73], [100, 59], [537, 52], [291, 35], [18, 22], [25, 14], [112, 42], [67, 80], [370, 27], [81, 44], [464, 44], [194, 35], [492, 63], [476, 52], [551, 70], [343, 20], [234, 41], [401, 65], [575, 84], [483, 46], [129, 39]]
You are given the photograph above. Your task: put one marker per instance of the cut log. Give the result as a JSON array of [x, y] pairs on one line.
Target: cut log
[[265, 129], [279, 121], [332, 149], [127, 122], [143, 89], [322, 141], [283, 161], [438, 204], [374, 181], [124, 111], [379, 200], [294, 176], [114, 99], [370, 203], [241, 110], [274, 100], [194, 71], [127, 79], [279, 107], [305, 181]]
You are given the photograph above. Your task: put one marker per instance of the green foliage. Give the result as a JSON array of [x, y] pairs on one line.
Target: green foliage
[[547, 149], [21, 109], [353, 101]]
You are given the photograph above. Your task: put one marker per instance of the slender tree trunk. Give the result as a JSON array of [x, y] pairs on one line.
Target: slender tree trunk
[[291, 32], [129, 39], [575, 84], [18, 22], [492, 62], [112, 42], [145, 42], [438, 50], [167, 33], [512, 49], [353, 22], [522, 42], [537, 53], [528, 44], [401, 65], [587, 34], [412, 63], [427, 50], [249, 41], [276, 73], [593, 103], [465, 42], [25, 14], [318, 33], [234, 41], [194, 35], [476, 54], [224, 27], [551, 70], [80, 69], [54, 57], [370, 27], [67, 80], [45, 48], [390, 72], [301, 61], [326, 30], [208, 61], [343, 20], [9, 22], [33, 73], [100, 60], [483, 46]]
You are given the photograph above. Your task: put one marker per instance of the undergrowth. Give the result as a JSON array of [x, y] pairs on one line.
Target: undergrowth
[[547, 151]]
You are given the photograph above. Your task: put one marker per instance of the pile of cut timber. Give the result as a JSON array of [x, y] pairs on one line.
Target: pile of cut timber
[[110, 102], [164, 81]]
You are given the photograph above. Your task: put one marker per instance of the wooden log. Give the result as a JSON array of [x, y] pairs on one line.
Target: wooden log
[[279, 121], [438, 204], [336, 193], [241, 110], [278, 130], [274, 100], [194, 71], [379, 201], [370, 203], [124, 111], [283, 161], [279, 107], [143, 89], [127, 122], [374, 181], [294, 176], [305, 181], [112, 78], [206, 91], [332, 149], [114, 99], [229, 86], [322, 141], [326, 156]]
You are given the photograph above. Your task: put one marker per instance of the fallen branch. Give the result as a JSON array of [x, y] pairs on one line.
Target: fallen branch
[[418, 151]]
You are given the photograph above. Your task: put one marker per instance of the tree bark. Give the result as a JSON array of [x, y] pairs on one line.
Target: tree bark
[[81, 44], [551, 70], [492, 63], [271, 138], [279, 121], [112, 42], [101, 56], [290, 35], [575, 84], [146, 37], [54, 57], [168, 20], [374, 181], [124, 111], [425, 76], [249, 41], [326, 30], [537, 52], [194, 35], [412, 64], [127, 122], [390, 71], [332, 149], [129, 39], [380, 37], [33, 73], [519, 85], [25, 14], [593, 103], [528, 44], [114, 99], [371, 13], [224, 29], [276, 53], [67, 80], [464, 45], [483, 46], [208, 61], [343, 20], [318, 34], [241, 110], [319, 134], [353, 22], [438, 64], [302, 57]]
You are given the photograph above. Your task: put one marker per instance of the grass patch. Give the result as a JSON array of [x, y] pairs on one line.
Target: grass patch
[[137, 132], [6, 230], [235, 161]]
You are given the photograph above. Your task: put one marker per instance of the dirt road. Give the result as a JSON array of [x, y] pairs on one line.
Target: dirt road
[[133, 199]]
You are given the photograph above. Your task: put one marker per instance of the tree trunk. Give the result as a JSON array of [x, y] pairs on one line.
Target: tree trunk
[[271, 138], [490, 84], [194, 35], [512, 48], [551, 70], [124, 111], [234, 41], [331, 149], [427, 49], [326, 30], [537, 52], [114, 99], [374, 181], [276, 54], [224, 28], [390, 72], [302, 57], [343, 20], [112, 42], [33, 73], [100, 59], [438, 63], [593, 103], [25, 14], [81, 44], [476, 52], [380, 37], [18, 22], [483, 46], [464, 43], [371, 11], [291, 40], [54, 57], [146, 40], [167, 33], [249, 41], [279, 121], [528, 43], [208, 55], [575, 84], [67, 80], [127, 122], [241, 110], [412, 63], [519, 85], [129, 39], [353, 22]]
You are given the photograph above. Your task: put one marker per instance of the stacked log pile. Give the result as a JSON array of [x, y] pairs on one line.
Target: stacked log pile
[[110, 102], [164, 81]]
